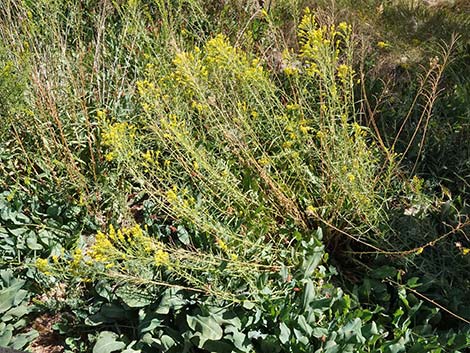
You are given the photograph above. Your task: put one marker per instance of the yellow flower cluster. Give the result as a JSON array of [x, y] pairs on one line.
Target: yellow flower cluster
[[224, 247], [189, 69], [76, 259], [99, 252], [345, 73], [43, 266], [321, 43], [382, 45], [150, 159], [220, 54], [161, 258], [122, 244], [119, 138]]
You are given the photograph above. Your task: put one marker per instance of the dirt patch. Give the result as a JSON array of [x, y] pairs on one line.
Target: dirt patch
[[48, 341]]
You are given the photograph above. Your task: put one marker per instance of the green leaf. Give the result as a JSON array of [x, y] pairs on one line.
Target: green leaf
[[8, 296], [353, 329], [170, 300], [183, 235], [167, 342], [109, 312], [132, 297], [107, 342], [312, 261], [239, 339], [16, 312], [308, 294], [22, 340], [6, 335], [303, 324], [32, 242], [285, 333], [206, 327]]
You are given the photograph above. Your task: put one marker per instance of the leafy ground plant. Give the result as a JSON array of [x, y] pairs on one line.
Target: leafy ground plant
[[178, 179]]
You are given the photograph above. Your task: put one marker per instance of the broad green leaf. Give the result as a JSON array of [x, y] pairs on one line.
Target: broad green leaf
[[303, 324], [284, 334], [238, 338], [149, 324], [183, 235], [308, 294], [312, 261], [206, 326], [170, 300], [22, 340], [133, 297], [6, 335], [107, 342], [16, 312], [32, 242], [8, 295], [167, 342]]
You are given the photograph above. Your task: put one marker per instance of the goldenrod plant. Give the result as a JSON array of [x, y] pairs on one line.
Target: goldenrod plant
[[185, 175]]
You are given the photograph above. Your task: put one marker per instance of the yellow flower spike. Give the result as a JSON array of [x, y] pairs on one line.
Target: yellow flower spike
[[264, 161], [291, 71], [112, 233], [343, 27], [43, 266], [287, 144], [161, 258], [292, 107], [222, 245], [171, 196], [344, 72], [304, 129], [310, 210], [419, 250], [109, 156], [382, 45], [101, 114], [351, 177]]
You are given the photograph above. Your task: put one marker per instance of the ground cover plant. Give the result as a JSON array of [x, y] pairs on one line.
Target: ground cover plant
[[193, 176]]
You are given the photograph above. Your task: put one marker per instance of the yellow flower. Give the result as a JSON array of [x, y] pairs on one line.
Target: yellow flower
[[263, 161], [382, 45], [222, 245], [310, 211], [343, 27], [287, 144], [290, 71], [161, 258], [351, 177], [304, 129], [76, 258], [344, 72], [171, 195], [43, 266]]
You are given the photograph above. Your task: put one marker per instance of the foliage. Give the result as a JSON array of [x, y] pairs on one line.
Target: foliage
[[176, 180]]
